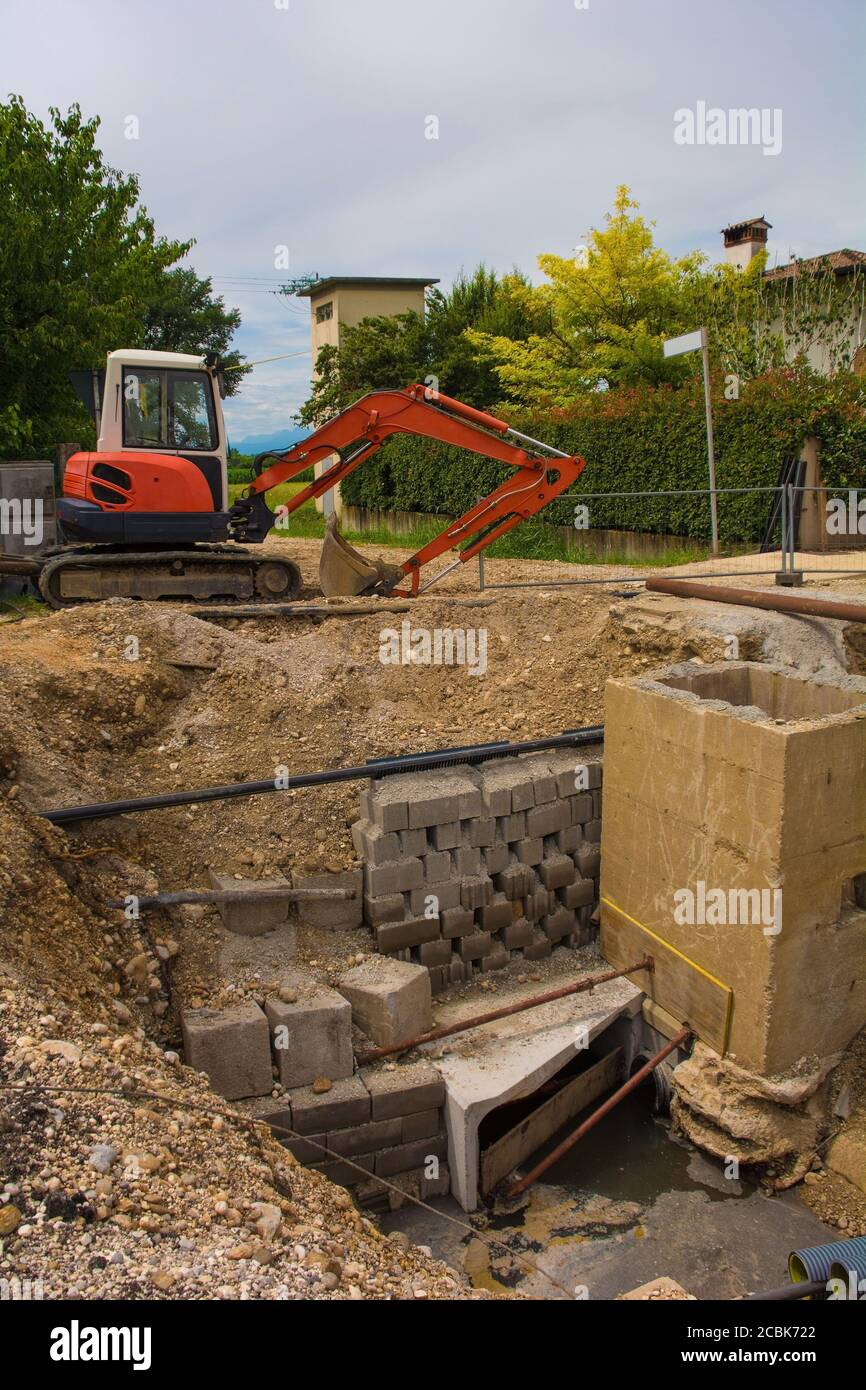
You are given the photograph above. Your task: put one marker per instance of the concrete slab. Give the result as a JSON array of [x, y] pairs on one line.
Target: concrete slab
[[511, 1058]]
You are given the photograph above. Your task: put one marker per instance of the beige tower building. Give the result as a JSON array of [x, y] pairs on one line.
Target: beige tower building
[[342, 301]]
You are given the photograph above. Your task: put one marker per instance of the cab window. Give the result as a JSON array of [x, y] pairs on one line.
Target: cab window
[[165, 409]]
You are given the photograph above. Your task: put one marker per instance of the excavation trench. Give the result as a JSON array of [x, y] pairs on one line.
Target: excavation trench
[[522, 841]]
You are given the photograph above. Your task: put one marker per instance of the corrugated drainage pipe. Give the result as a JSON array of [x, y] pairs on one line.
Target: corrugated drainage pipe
[[817, 1261]]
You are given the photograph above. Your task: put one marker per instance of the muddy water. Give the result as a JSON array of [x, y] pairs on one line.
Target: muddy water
[[627, 1204]]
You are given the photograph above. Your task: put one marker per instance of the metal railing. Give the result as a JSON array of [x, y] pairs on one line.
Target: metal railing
[[796, 539]]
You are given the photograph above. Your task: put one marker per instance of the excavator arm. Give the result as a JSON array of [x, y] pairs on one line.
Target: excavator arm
[[361, 430]]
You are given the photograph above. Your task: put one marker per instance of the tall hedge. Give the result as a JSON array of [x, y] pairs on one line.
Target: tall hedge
[[648, 439]]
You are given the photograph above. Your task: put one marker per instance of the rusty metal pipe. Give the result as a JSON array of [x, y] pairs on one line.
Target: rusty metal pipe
[[218, 896], [754, 598], [376, 1053], [626, 1089]]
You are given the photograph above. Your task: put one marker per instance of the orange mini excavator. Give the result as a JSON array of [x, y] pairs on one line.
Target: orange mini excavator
[[146, 515]]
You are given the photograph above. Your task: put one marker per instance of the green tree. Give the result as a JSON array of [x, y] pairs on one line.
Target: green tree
[[185, 316], [386, 353], [605, 314], [82, 271]]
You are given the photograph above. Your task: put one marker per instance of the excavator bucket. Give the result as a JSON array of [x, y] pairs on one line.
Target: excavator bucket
[[342, 571]]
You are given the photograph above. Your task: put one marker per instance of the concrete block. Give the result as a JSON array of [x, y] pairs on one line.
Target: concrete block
[[440, 978], [476, 892], [435, 798], [482, 832], [435, 897], [475, 946], [413, 844], [407, 1090], [364, 1139], [435, 953], [511, 828], [543, 779], [557, 872], [540, 949], [391, 908], [580, 893], [375, 845], [466, 861], [311, 1037], [437, 866], [407, 1156], [497, 914], [506, 786], [399, 936], [497, 960], [457, 921], [337, 915], [387, 804], [346, 1104], [516, 881], [251, 918], [559, 923], [535, 904], [530, 852], [232, 1046], [435, 1187], [347, 1172], [518, 934], [496, 858], [582, 809], [380, 880], [546, 820], [390, 999], [569, 840], [588, 859], [422, 1125], [448, 836], [592, 831]]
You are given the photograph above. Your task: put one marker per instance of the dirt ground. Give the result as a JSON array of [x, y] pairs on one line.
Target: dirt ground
[[123, 700]]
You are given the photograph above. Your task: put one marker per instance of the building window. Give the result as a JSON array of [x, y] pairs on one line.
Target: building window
[[325, 312]]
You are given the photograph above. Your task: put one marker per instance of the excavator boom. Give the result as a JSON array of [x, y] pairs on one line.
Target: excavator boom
[[359, 432]]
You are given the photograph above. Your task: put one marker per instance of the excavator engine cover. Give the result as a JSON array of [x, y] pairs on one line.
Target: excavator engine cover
[[343, 572]]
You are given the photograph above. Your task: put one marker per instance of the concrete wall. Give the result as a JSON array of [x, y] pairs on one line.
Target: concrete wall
[[745, 777]]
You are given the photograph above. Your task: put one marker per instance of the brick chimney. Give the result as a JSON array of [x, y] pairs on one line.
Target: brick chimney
[[743, 240]]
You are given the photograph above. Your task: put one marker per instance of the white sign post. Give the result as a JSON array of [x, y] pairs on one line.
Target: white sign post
[[697, 342]]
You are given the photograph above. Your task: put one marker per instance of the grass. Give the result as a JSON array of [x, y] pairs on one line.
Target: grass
[[532, 540]]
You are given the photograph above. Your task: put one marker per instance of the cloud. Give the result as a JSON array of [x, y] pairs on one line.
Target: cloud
[[305, 126]]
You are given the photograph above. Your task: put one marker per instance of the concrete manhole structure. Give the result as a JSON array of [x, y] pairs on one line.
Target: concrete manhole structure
[[734, 838]]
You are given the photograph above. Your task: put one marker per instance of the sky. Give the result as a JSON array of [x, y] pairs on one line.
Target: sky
[[305, 124]]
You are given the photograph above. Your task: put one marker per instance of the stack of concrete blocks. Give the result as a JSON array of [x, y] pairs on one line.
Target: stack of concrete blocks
[[298, 1038], [379, 1124], [387, 1122], [468, 868]]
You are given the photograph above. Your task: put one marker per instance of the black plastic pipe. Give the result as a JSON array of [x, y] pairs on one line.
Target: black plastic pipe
[[381, 767]]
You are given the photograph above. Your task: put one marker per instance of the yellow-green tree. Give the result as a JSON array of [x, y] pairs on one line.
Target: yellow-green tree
[[609, 309]]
